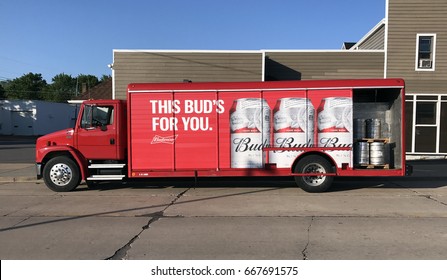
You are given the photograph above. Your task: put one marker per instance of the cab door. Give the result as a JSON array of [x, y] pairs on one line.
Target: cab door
[[97, 133]]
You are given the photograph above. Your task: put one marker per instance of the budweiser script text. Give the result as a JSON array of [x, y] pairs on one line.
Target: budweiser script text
[[245, 144], [184, 123]]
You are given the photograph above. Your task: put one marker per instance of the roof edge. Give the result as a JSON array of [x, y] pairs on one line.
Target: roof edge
[[369, 34], [186, 51]]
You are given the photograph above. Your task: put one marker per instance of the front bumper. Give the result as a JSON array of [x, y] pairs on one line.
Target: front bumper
[[39, 170]]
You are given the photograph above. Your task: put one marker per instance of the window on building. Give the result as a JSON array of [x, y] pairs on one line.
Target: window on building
[[426, 130], [443, 128], [426, 113], [425, 52], [409, 125]]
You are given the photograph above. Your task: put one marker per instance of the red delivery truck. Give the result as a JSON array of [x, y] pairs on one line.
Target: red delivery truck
[[311, 130]]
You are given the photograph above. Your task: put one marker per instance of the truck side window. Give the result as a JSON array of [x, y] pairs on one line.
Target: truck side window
[[97, 116]]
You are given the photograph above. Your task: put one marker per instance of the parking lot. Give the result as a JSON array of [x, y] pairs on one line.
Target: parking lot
[[251, 218]]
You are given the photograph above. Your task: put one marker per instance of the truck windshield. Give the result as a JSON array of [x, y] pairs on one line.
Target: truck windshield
[[97, 116]]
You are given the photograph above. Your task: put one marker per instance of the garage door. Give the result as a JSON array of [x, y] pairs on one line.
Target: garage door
[[22, 122]]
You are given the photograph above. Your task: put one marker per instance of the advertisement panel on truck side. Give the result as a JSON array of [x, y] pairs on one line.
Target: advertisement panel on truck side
[[173, 130]]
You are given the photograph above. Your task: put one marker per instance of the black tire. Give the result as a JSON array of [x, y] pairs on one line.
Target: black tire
[[314, 164], [61, 174]]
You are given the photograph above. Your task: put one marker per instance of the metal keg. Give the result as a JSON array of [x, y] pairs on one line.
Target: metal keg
[[361, 153], [359, 128], [377, 153], [373, 128]]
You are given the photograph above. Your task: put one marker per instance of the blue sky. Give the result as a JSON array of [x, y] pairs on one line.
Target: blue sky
[[79, 36]]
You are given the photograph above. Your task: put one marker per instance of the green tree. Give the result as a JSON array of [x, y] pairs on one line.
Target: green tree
[[62, 88], [105, 78], [28, 86], [86, 81], [2, 92]]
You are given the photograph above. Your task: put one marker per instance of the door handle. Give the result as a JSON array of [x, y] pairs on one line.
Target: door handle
[[112, 141]]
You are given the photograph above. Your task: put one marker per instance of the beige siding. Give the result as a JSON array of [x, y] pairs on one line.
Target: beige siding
[[314, 65], [406, 19], [147, 66], [375, 41]]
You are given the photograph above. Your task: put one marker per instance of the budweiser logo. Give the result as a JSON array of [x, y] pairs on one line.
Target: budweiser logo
[[164, 139], [334, 142], [245, 144], [289, 142]]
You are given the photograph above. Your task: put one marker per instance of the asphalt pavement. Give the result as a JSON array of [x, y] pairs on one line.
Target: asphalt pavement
[[221, 218], [17, 158]]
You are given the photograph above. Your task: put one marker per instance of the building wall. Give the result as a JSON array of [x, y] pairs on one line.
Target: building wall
[[30, 117], [375, 41], [51, 117], [407, 18], [177, 66], [426, 101], [314, 65]]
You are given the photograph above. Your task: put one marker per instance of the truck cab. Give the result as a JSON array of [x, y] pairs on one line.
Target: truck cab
[[95, 149]]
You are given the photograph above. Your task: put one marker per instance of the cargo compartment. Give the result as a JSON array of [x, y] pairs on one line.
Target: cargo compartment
[[377, 128]]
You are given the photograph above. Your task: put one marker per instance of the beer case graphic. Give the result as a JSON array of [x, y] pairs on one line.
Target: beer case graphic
[[250, 132], [334, 123], [293, 127]]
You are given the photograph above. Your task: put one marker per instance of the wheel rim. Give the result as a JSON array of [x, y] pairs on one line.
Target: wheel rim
[[314, 180], [61, 174]]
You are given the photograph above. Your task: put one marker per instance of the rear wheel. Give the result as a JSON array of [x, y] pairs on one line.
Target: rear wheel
[[314, 183], [61, 174]]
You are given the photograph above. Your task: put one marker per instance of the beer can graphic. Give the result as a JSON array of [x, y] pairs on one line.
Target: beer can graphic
[[335, 126], [250, 132], [293, 127]]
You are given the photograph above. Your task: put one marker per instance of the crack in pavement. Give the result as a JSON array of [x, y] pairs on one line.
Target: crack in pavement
[[121, 253], [432, 199], [22, 221], [304, 252], [427, 196]]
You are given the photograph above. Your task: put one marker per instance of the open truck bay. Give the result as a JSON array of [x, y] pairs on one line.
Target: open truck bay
[[311, 130]]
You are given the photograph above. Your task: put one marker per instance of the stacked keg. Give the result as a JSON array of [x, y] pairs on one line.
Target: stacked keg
[[365, 152]]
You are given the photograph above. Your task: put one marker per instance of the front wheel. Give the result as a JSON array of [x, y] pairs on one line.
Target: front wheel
[[314, 183], [61, 174]]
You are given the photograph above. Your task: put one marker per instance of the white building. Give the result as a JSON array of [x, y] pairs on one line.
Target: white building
[[33, 117]]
